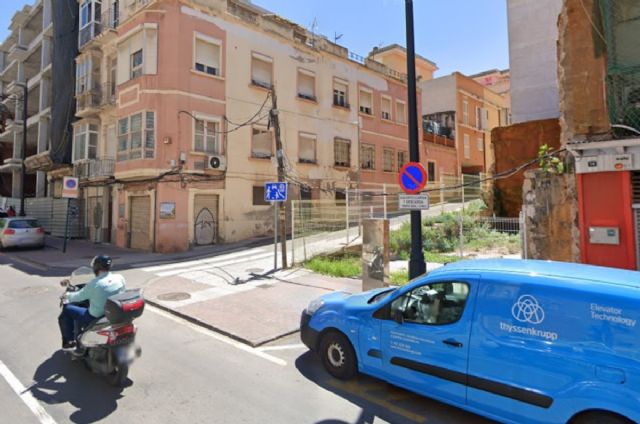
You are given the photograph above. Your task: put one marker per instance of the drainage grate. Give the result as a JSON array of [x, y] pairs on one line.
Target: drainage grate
[[174, 297]]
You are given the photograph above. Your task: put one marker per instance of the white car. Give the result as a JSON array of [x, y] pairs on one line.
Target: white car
[[21, 232]]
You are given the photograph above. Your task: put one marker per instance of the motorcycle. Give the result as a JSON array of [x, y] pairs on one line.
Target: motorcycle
[[107, 346]]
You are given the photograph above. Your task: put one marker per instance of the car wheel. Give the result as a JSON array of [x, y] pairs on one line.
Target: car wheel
[[600, 418], [338, 356]]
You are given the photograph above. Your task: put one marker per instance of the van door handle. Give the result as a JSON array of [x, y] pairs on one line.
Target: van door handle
[[452, 342]]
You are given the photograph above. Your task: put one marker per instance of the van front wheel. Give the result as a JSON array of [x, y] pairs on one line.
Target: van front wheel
[[338, 356], [600, 418]]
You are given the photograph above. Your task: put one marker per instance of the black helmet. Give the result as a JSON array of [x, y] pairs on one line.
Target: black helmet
[[101, 263]]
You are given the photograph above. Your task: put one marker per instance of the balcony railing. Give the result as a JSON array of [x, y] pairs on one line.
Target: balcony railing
[[438, 139], [101, 95], [95, 168]]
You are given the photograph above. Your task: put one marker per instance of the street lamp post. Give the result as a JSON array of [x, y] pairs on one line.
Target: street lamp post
[[25, 96], [417, 265]]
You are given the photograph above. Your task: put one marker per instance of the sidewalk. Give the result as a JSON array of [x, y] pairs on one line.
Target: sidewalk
[[254, 312], [80, 252]]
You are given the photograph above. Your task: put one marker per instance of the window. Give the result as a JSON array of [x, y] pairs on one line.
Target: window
[[402, 159], [206, 136], [83, 69], [136, 64], [258, 196], [342, 152], [207, 55], [306, 84], [85, 142], [478, 118], [136, 137], [261, 70], [467, 147], [480, 144], [465, 112], [387, 160], [261, 143], [401, 117], [366, 102], [307, 148], [368, 156], [434, 304], [340, 93], [385, 108], [431, 171]]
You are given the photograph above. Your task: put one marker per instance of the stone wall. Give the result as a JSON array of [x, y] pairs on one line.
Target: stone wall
[[513, 146], [551, 222], [582, 71]]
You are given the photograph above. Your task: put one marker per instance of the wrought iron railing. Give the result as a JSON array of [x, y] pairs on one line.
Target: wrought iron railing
[[95, 168]]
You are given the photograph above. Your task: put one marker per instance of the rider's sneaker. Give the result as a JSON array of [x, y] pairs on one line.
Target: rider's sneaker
[[68, 345]]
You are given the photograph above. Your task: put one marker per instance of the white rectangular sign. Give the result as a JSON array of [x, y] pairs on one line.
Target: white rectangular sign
[[414, 202]]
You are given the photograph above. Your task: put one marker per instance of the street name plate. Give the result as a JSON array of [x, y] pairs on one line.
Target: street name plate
[[414, 202]]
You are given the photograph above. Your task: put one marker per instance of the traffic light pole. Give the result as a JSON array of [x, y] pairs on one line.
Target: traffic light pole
[[417, 265]]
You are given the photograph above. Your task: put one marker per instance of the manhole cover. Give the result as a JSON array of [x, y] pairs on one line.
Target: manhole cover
[[254, 270], [174, 297]]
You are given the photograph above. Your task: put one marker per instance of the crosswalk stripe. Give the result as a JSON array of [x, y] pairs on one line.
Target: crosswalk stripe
[[201, 261], [212, 264]]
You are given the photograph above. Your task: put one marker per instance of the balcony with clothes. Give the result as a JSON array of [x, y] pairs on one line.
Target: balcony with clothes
[[96, 23], [435, 133]]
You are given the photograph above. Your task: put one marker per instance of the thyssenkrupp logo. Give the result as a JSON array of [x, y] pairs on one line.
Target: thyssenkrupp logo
[[527, 309]]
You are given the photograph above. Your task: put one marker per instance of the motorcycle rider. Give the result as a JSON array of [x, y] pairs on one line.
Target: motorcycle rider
[[96, 291]]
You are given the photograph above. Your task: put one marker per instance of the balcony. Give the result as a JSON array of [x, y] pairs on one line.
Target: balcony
[[88, 103], [102, 31], [18, 52], [438, 139], [95, 168]]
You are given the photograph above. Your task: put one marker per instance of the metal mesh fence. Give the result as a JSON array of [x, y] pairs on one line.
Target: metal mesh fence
[[621, 24]]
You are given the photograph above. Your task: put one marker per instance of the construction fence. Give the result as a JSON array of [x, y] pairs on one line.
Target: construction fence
[[316, 224]]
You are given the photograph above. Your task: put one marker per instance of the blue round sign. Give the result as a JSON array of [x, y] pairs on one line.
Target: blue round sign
[[412, 177], [71, 184]]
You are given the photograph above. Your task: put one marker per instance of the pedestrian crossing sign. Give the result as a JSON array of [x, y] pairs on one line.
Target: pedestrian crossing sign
[[275, 192]]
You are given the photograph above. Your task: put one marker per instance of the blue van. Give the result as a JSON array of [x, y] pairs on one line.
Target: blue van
[[516, 341]]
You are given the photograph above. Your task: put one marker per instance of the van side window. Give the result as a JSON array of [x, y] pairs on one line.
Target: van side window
[[434, 304]]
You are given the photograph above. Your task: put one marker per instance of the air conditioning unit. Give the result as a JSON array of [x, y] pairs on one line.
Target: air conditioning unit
[[219, 163]]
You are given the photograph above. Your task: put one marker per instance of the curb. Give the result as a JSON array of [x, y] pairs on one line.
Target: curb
[[210, 327]]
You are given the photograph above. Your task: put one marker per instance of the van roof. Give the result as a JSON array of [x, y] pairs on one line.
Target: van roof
[[620, 277]]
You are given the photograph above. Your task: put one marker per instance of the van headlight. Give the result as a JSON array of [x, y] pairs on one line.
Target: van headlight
[[314, 306]]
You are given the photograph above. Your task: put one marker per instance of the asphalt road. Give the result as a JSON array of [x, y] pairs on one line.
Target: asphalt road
[[186, 375]]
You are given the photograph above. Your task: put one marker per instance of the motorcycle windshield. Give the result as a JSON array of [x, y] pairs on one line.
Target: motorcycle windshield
[[81, 275]]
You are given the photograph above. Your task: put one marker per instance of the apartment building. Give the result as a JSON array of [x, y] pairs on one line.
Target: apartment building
[[174, 141], [26, 58], [458, 116]]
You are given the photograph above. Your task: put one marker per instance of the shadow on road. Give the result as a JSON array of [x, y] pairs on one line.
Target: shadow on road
[[59, 380], [382, 400]]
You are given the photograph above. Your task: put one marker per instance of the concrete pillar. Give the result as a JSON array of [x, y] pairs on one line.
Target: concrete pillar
[[46, 13], [41, 184], [47, 51], [16, 186]]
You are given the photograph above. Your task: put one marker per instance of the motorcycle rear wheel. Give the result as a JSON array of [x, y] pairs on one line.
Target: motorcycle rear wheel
[[119, 376]]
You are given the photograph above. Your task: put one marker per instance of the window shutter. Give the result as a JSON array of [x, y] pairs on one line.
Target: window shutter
[[261, 71], [306, 85], [208, 54]]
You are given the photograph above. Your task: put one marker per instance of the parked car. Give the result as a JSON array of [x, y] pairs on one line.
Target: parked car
[[21, 232], [516, 341]]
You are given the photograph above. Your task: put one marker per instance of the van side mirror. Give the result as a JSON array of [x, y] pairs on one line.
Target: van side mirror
[[398, 316]]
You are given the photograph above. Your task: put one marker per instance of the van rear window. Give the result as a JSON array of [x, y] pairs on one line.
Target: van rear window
[[23, 223]]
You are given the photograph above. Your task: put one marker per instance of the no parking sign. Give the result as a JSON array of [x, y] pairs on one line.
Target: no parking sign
[[70, 188]]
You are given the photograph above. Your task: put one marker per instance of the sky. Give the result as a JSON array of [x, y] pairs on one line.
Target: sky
[[468, 36]]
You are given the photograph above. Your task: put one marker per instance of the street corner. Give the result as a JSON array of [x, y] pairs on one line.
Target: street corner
[[258, 316]]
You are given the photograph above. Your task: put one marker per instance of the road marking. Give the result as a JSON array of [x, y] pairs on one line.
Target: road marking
[[214, 265], [360, 389], [283, 347], [210, 260], [217, 336], [25, 395]]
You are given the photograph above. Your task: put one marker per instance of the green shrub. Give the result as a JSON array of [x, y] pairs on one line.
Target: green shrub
[[347, 265]]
